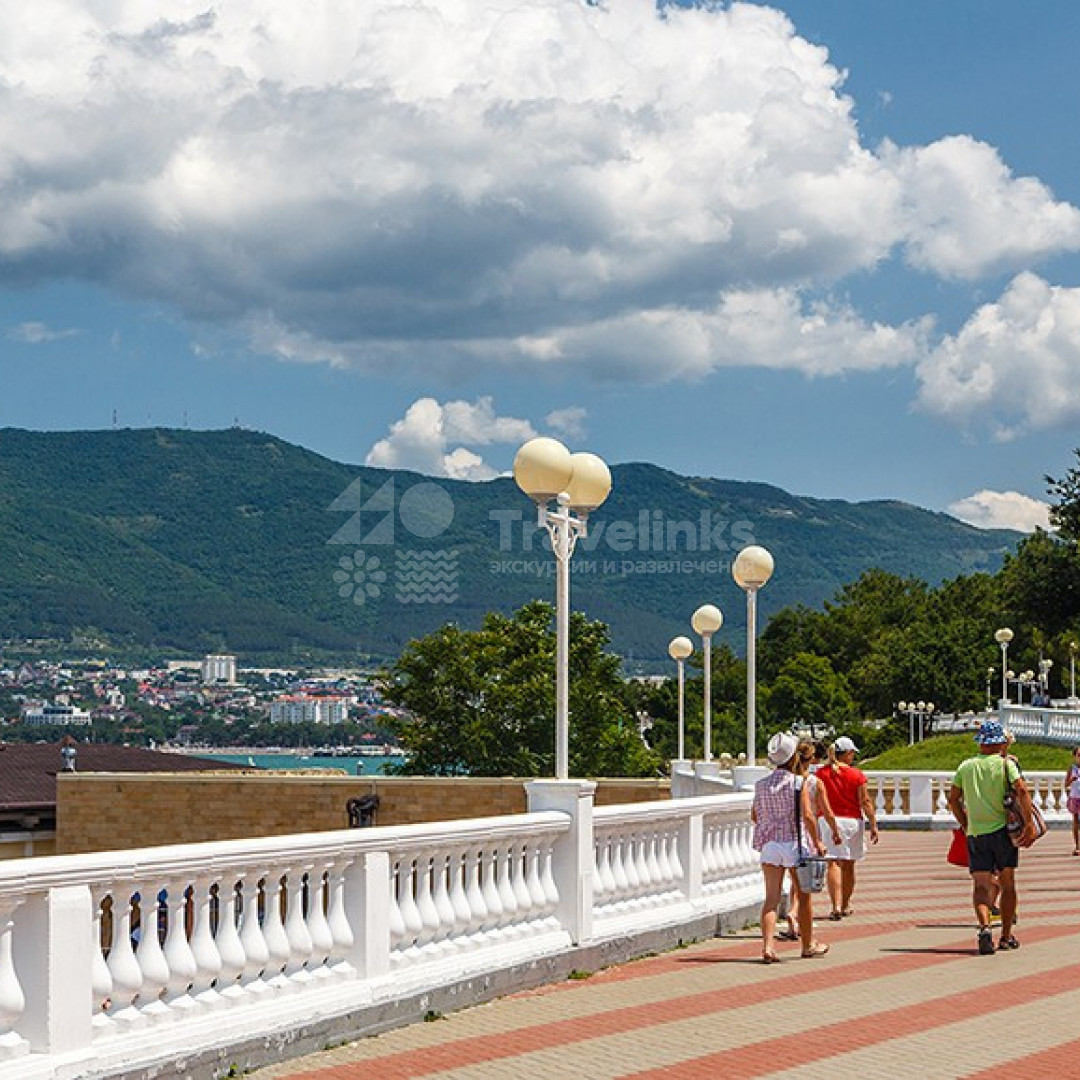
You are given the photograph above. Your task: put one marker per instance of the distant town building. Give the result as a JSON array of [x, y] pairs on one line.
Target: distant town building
[[37, 714], [219, 669], [302, 708]]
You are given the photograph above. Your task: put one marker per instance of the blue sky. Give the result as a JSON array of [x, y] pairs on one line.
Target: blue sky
[[833, 245]]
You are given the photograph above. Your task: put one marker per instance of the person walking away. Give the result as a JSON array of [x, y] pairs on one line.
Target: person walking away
[[808, 756], [846, 789], [976, 799], [1072, 801], [778, 842]]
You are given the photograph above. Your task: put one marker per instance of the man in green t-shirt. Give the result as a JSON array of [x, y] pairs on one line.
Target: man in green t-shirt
[[976, 799]]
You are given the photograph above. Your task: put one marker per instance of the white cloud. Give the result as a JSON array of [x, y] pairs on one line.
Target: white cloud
[[965, 215], [1002, 510], [434, 438], [1015, 365], [36, 333], [447, 185], [568, 422]]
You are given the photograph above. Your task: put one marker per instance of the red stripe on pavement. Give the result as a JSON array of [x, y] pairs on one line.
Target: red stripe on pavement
[[1054, 1062], [460, 1053], [788, 1052]]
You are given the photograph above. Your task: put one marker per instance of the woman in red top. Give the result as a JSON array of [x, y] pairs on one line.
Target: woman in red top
[[845, 787]]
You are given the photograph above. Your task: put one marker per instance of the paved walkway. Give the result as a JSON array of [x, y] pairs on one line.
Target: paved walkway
[[903, 993]]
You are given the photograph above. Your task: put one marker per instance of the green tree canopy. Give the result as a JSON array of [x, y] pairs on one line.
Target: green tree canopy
[[482, 702]]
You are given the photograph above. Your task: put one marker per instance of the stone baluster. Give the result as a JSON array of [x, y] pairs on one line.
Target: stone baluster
[[457, 869], [322, 939], [410, 913], [519, 859], [396, 919], [474, 893], [296, 929], [277, 940], [12, 998], [337, 918], [182, 965], [547, 877], [151, 956], [490, 888], [123, 966], [441, 868], [229, 946], [534, 881], [503, 869], [101, 977], [429, 914], [619, 867], [203, 946], [604, 885], [256, 952]]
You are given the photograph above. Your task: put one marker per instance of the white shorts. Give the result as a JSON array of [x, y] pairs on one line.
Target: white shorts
[[852, 844], [780, 853]]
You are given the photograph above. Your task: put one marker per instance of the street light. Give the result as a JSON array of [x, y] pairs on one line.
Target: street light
[[1073, 647], [1003, 637], [921, 709], [706, 621], [989, 679], [679, 649], [752, 568], [578, 483], [1044, 679]]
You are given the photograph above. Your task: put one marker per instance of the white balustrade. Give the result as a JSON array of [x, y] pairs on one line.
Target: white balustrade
[[196, 938]]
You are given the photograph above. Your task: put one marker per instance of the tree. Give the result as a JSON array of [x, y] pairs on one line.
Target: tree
[[482, 702], [808, 692], [1065, 512]]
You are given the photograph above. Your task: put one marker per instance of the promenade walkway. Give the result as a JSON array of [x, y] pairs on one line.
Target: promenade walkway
[[903, 993]]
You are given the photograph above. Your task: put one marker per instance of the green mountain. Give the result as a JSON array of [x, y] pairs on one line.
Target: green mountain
[[182, 541]]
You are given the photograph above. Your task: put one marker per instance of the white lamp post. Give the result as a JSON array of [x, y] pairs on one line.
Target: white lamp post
[[752, 568], [679, 649], [989, 678], [1003, 637], [706, 621], [1073, 647], [1044, 678], [578, 483]]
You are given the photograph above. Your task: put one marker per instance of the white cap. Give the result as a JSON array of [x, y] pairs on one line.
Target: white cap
[[782, 748], [844, 744]]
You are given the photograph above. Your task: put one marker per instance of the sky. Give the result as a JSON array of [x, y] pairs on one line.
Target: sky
[[832, 245]]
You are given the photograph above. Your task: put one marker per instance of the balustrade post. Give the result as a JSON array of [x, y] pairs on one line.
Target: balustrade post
[[368, 899], [920, 796], [572, 854], [691, 849], [52, 951]]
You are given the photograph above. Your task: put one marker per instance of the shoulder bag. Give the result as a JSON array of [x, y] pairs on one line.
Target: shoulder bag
[[1014, 819], [810, 869]]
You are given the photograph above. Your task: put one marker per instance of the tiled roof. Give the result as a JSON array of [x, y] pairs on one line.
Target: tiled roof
[[28, 771]]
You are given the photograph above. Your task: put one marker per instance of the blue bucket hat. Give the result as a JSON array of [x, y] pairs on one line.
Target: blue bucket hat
[[991, 733]]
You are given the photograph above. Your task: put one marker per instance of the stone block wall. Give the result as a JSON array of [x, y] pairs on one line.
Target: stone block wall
[[114, 811]]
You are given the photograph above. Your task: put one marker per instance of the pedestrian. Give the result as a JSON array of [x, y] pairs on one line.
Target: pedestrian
[[845, 787], [1072, 802], [809, 755], [976, 799], [779, 841]]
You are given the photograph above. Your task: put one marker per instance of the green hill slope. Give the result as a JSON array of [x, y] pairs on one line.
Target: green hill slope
[[195, 541]]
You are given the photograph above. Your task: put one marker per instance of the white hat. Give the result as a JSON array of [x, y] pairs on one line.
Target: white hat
[[782, 748], [844, 744]]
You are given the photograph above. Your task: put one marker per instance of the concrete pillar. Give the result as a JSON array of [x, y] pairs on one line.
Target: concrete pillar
[[367, 891], [572, 855], [52, 951]]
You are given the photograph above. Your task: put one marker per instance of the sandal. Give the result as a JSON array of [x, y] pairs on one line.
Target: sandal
[[786, 935], [1008, 943], [817, 949], [770, 958], [835, 916], [846, 912]]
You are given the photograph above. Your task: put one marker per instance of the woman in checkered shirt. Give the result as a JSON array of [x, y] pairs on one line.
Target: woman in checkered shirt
[[773, 814]]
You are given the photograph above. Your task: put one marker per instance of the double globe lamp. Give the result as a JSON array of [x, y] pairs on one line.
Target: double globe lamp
[[547, 472]]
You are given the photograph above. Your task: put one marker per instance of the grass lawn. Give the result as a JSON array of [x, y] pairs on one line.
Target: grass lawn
[[941, 752]]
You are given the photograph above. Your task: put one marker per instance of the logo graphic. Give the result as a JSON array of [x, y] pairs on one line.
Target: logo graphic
[[359, 577], [424, 510], [426, 577]]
